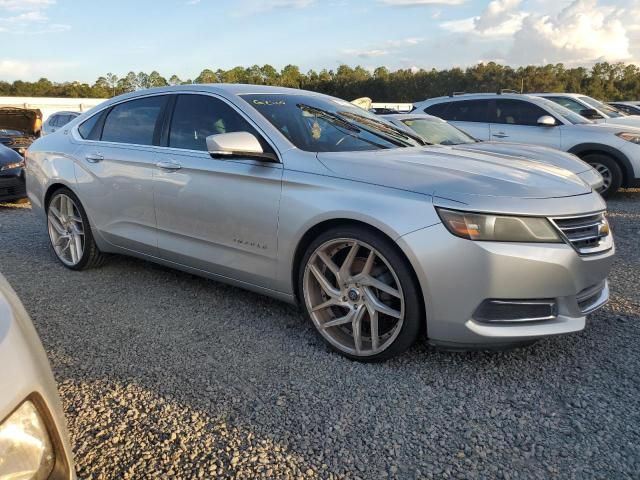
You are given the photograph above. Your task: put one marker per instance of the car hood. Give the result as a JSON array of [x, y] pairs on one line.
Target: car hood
[[443, 171], [632, 121], [8, 156], [20, 119], [546, 155]]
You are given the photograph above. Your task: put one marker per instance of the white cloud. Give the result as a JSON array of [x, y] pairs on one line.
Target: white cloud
[[581, 33], [27, 17], [366, 53], [421, 3], [12, 69], [389, 47], [248, 7], [498, 20]]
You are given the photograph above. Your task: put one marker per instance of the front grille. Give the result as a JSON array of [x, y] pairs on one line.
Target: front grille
[[587, 234]]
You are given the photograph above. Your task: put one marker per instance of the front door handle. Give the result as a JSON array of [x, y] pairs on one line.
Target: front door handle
[[169, 166], [94, 158], [500, 135]]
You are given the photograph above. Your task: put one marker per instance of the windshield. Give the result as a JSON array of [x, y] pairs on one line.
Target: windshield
[[609, 110], [567, 114], [324, 124], [438, 132]]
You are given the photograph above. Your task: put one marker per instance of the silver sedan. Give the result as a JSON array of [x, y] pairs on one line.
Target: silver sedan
[[310, 199]]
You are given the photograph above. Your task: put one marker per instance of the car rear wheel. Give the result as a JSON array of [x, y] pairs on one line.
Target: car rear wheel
[[610, 171], [70, 233], [360, 294]]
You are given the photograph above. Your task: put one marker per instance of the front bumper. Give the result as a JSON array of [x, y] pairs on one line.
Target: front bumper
[[458, 275], [12, 187]]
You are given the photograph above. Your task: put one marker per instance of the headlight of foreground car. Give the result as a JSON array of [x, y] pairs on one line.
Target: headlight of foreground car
[[498, 228], [26, 452], [9, 166], [630, 137]]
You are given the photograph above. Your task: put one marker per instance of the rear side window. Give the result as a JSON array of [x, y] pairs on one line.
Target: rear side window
[[518, 112], [437, 110], [467, 111], [195, 117], [133, 121]]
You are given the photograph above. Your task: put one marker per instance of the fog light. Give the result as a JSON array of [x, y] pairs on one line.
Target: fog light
[[506, 311], [26, 452]]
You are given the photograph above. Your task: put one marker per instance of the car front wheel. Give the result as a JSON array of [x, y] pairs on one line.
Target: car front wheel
[[360, 294], [610, 171]]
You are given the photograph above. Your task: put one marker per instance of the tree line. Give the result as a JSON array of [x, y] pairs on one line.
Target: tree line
[[604, 80]]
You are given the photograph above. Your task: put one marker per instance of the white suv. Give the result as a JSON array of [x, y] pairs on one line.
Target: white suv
[[591, 108], [613, 150]]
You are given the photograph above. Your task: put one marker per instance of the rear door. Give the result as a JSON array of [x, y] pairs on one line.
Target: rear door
[[471, 116], [517, 121], [115, 170]]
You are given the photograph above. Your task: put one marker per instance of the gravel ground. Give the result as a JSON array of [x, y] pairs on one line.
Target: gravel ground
[[163, 374]]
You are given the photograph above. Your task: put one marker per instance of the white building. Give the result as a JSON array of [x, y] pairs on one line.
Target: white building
[[49, 105]]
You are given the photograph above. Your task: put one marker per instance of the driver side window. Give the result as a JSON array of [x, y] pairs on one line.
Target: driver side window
[[518, 112], [195, 117]]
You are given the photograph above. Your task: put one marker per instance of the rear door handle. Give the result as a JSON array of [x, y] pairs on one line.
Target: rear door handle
[[94, 158], [500, 135], [169, 166]]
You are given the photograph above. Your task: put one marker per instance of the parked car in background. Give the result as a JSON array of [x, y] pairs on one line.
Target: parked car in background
[[591, 108], [57, 120], [12, 184], [613, 150], [630, 108], [310, 199], [19, 127], [33, 434], [436, 131]]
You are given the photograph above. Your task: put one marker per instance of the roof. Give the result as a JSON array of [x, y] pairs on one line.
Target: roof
[[473, 96], [410, 116]]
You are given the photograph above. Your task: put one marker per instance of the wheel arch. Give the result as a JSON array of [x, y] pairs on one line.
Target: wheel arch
[[583, 149], [321, 227], [51, 189]]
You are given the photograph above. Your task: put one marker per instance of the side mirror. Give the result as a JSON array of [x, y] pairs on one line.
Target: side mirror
[[590, 113], [237, 144], [547, 121]]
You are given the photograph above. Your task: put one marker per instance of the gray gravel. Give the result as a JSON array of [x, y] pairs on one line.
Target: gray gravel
[[165, 374]]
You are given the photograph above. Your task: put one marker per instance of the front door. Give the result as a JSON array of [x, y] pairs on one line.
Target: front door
[[516, 121], [218, 216]]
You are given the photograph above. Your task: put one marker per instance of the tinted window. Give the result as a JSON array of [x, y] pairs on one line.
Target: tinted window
[[569, 103], [133, 121], [195, 117], [54, 120], [467, 111], [88, 130], [518, 112], [316, 123], [437, 110], [608, 110], [438, 132]]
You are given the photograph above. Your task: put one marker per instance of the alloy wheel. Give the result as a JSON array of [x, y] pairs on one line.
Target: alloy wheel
[[606, 173], [353, 296], [66, 229]]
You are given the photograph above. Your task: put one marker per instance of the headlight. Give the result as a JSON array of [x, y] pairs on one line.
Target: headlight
[[26, 452], [9, 166], [630, 137], [498, 228]]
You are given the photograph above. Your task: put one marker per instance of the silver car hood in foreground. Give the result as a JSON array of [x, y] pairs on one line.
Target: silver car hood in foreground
[[547, 155], [444, 171]]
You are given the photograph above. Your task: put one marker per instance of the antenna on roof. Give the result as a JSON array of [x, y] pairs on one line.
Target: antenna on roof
[[507, 90]]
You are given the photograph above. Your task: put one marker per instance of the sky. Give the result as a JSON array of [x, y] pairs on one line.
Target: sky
[[66, 40]]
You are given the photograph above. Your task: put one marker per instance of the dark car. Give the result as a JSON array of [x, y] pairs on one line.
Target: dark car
[[19, 127], [12, 185]]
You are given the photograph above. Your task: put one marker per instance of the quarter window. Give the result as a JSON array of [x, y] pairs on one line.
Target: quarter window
[[195, 117], [133, 121], [518, 112], [437, 110]]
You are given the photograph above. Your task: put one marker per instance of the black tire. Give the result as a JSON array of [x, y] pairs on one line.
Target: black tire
[[599, 162], [92, 257], [414, 318]]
